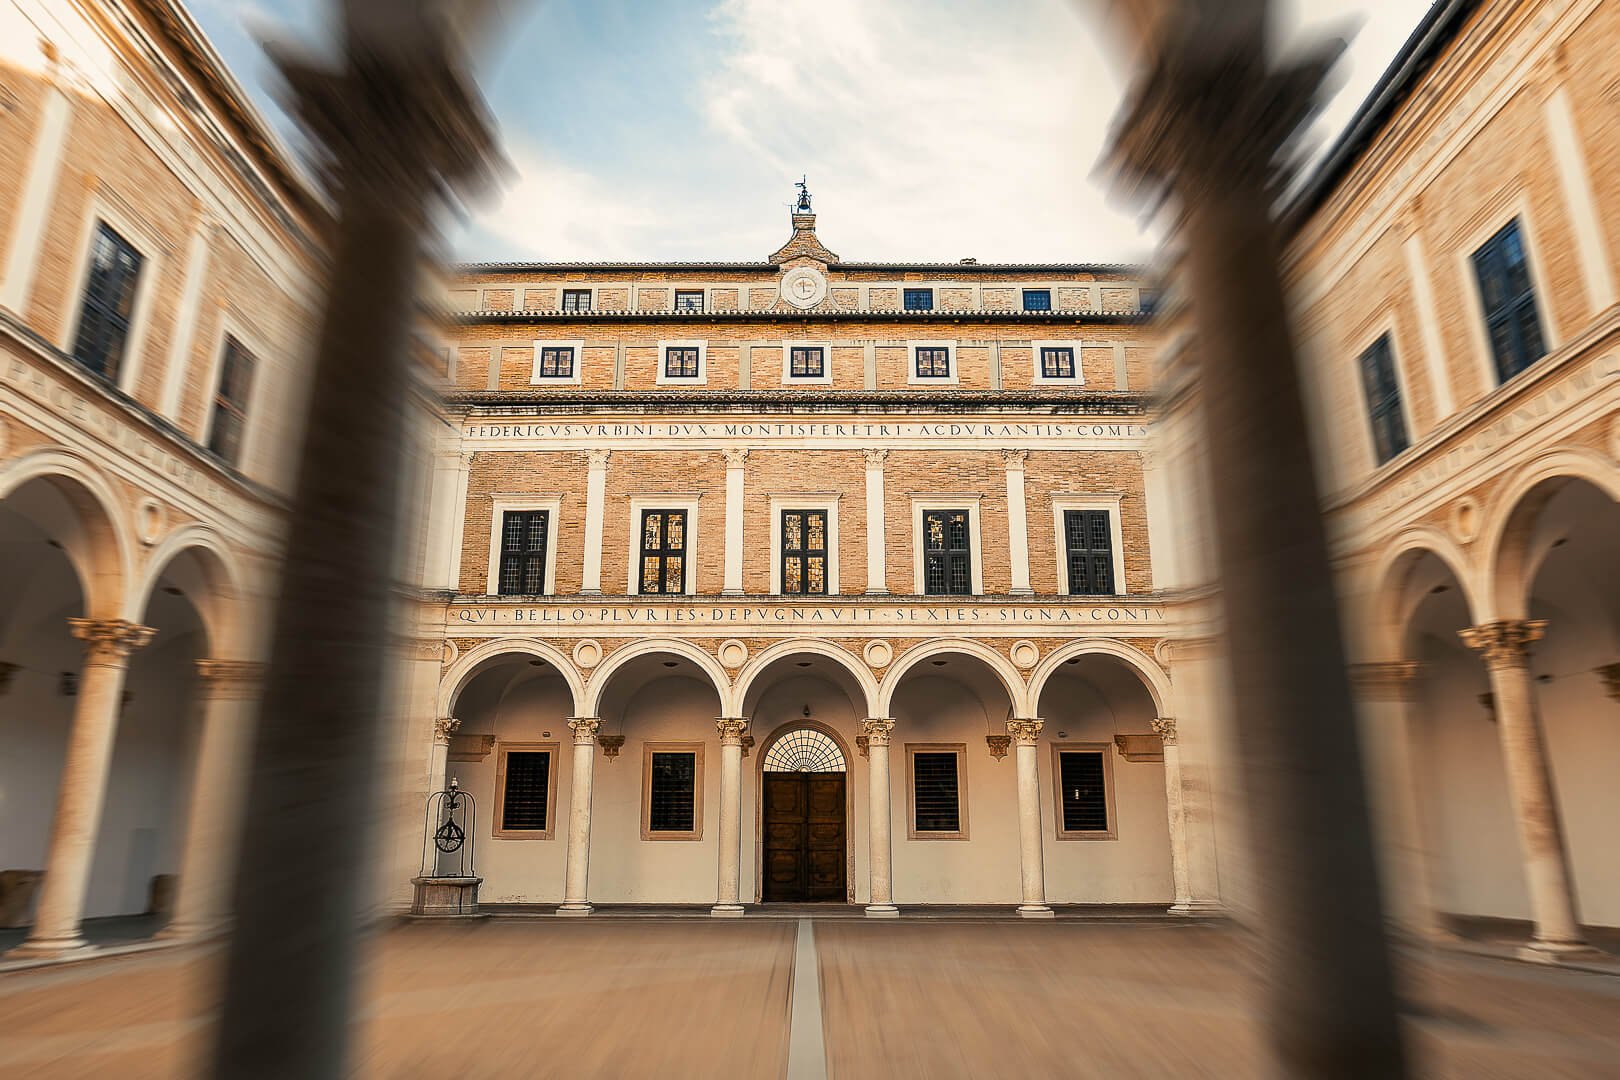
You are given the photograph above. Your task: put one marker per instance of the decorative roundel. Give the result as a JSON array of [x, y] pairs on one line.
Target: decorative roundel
[[878, 654], [733, 653], [804, 287], [1465, 520], [1024, 654], [148, 521], [449, 653], [587, 654]]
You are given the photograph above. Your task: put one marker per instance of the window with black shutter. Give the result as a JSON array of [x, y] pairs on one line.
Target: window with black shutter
[[663, 551], [680, 362], [947, 554], [1503, 269], [1083, 792], [688, 300], [526, 792], [933, 362], [919, 299], [230, 401], [1383, 400], [804, 552], [1037, 299], [576, 300], [524, 534], [557, 362], [672, 791], [807, 362], [1089, 548], [936, 792], [109, 303], [1057, 363]]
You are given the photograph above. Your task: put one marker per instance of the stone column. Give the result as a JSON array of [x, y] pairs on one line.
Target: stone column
[[735, 459], [1505, 644], [1017, 526], [230, 692], [728, 893], [1026, 736], [595, 499], [877, 583], [83, 787], [438, 767], [579, 817], [881, 903], [1176, 807]]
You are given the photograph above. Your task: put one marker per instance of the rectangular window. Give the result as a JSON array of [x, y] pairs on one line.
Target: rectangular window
[[557, 363], [1085, 804], [807, 362], [230, 402], [524, 534], [672, 792], [688, 300], [1383, 400], [1503, 269], [1089, 548], [680, 363], [109, 302], [525, 791], [1147, 301], [933, 363], [947, 560], [1057, 363], [663, 551], [1037, 299], [938, 805], [919, 299], [576, 300], [804, 552]]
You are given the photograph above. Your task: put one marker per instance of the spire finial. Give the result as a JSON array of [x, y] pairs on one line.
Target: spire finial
[[802, 206]]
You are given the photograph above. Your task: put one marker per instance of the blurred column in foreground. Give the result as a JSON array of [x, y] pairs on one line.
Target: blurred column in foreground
[[1204, 125], [400, 128]]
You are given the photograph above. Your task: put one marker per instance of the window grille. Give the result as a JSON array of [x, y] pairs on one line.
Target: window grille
[[947, 558], [109, 303], [807, 363], [1057, 363], [1085, 795], [804, 750], [935, 792], [524, 534], [1383, 400], [688, 300], [1503, 269], [663, 551], [1037, 299], [557, 363], [919, 299], [230, 401], [933, 362], [672, 792], [528, 783], [1089, 547], [804, 552], [680, 363], [576, 300]]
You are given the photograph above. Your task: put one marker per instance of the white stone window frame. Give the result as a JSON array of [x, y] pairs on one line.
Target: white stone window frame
[[810, 500], [154, 260], [1038, 375], [500, 503], [790, 379], [1493, 221], [591, 289], [960, 750], [550, 831], [1386, 324], [1109, 501], [577, 344], [949, 345], [970, 503], [1107, 752], [647, 751], [702, 376], [232, 325], [686, 500]]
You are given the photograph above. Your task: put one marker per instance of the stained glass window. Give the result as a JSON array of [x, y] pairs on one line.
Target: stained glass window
[[1057, 363], [947, 558], [109, 303], [557, 363], [933, 363], [1089, 547], [663, 551], [524, 534], [804, 750], [804, 552], [807, 363], [680, 363]]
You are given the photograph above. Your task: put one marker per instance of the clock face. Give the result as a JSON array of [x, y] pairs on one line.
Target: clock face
[[803, 287]]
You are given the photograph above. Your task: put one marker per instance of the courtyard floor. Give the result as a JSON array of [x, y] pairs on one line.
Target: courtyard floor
[[673, 997]]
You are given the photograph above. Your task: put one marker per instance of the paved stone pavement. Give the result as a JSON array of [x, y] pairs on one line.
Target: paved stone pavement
[[676, 998]]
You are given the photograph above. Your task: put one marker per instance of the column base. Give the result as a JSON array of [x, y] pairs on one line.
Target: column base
[[1556, 952], [61, 948], [882, 911], [1036, 911], [580, 908], [726, 911], [1195, 907]]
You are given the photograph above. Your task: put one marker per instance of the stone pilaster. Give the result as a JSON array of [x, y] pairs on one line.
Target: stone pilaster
[[877, 581], [595, 511], [736, 460], [1017, 523]]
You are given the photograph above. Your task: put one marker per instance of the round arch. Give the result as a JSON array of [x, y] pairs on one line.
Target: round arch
[[759, 752], [466, 666], [1390, 575], [106, 569], [1000, 665], [1504, 546], [220, 612], [625, 653], [1151, 674], [836, 653]]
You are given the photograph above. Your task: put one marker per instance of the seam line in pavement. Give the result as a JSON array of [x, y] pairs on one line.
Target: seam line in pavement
[[807, 1047]]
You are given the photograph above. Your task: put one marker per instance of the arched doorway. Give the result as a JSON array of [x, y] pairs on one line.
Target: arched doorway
[[804, 826]]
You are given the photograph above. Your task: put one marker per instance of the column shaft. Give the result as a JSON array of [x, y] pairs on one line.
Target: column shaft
[[1031, 853], [876, 573], [576, 880], [1176, 811], [728, 889], [1017, 526], [881, 903], [437, 778], [595, 501]]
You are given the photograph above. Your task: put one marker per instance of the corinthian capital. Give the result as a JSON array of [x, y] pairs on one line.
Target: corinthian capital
[[443, 728], [731, 729], [736, 456], [1165, 728], [109, 641], [1025, 732], [875, 458], [876, 731], [598, 459], [1014, 458], [584, 728], [1505, 642]]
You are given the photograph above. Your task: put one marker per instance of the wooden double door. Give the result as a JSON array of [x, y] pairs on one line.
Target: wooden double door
[[805, 854]]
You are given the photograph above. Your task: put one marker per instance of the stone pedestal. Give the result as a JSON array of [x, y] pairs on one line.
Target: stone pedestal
[[442, 897]]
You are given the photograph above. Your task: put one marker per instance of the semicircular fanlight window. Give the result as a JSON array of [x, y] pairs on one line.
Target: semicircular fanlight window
[[805, 750]]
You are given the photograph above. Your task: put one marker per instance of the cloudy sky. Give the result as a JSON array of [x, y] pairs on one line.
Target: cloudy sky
[[928, 129]]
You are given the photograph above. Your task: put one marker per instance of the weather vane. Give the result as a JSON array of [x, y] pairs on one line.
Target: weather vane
[[803, 205]]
